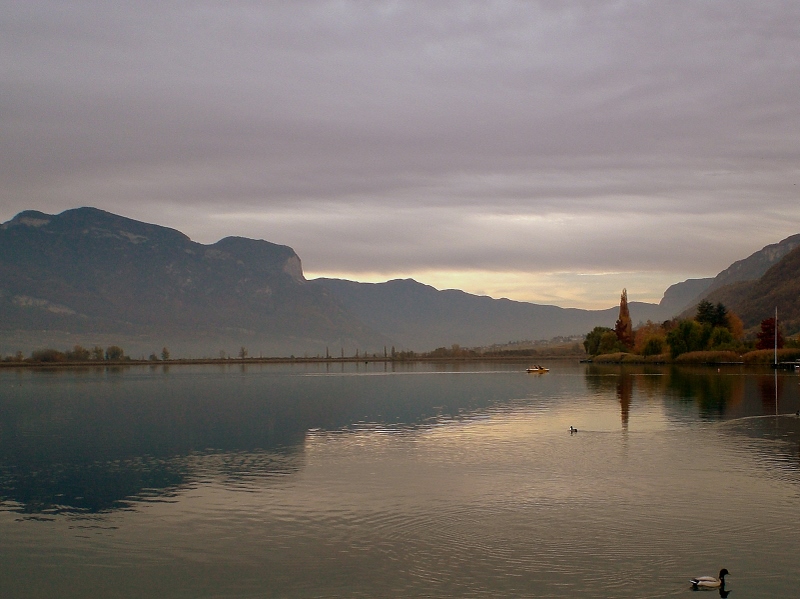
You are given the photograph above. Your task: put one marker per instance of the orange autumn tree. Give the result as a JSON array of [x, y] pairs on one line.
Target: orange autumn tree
[[735, 326], [624, 326], [649, 339]]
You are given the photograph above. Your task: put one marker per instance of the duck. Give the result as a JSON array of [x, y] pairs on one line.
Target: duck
[[572, 429], [709, 582]]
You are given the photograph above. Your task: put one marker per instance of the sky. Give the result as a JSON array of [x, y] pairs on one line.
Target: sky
[[551, 151]]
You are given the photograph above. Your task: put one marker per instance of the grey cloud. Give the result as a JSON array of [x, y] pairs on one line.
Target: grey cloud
[[396, 116]]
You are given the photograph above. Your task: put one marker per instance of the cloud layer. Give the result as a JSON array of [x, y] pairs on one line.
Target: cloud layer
[[519, 148]]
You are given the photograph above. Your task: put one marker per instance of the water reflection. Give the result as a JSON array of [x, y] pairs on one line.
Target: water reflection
[[770, 388], [313, 481], [773, 440], [91, 441], [620, 383], [755, 408], [77, 448], [715, 393], [93, 487], [625, 393]]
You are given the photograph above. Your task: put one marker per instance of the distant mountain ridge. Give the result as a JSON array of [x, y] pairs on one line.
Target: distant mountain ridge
[[756, 264], [87, 276], [680, 295], [778, 288], [418, 315], [88, 272], [683, 297]]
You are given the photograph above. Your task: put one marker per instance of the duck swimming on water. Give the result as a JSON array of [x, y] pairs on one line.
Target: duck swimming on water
[[709, 582], [572, 429]]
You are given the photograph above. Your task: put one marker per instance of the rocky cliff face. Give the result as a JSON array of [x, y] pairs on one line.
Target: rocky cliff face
[[682, 298], [756, 265], [757, 300], [89, 271]]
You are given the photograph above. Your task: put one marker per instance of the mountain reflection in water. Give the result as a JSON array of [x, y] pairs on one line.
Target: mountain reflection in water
[[83, 443], [78, 445], [405, 480], [93, 440]]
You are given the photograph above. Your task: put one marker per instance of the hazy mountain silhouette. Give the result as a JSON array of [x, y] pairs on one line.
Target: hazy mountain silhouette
[[420, 316], [679, 296], [683, 297], [757, 300], [87, 274]]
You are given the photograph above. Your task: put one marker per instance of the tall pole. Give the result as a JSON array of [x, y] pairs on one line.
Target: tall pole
[[776, 391], [776, 337], [776, 361]]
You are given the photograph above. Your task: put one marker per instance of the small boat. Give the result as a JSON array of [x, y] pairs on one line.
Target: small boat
[[537, 368]]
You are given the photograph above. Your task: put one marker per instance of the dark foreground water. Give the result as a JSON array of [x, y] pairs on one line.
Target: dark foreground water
[[408, 481]]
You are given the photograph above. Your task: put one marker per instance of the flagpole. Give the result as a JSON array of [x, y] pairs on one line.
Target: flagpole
[[776, 361], [776, 337]]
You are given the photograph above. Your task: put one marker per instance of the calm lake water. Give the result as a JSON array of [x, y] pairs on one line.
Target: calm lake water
[[415, 480]]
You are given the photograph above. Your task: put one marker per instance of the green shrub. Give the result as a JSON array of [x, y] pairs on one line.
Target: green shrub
[[592, 342], [654, 346]]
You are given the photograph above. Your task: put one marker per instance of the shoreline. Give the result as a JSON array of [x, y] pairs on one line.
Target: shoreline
[[289, 360], [630, 361]]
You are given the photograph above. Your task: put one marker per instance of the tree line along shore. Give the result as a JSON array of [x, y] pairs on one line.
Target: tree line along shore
[[714, 335], [115, 355]]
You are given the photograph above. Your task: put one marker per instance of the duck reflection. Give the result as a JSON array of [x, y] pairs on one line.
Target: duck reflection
[[722, 591]]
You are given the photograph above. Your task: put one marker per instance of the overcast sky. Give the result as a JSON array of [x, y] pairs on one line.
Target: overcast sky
[[548, 151]]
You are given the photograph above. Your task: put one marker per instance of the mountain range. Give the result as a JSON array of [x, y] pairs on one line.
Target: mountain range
[[90, 277], [418, 315], [684, 296], [778, 289]]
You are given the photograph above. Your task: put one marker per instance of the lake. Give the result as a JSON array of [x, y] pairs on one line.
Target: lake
[[397, 480]]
